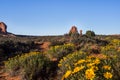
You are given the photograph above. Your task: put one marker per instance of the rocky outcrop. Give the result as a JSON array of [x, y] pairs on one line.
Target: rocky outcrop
[[3, 28], [73, 30], [80, 32]]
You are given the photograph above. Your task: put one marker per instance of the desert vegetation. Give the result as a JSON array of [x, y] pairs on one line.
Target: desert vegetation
[[67, 57]]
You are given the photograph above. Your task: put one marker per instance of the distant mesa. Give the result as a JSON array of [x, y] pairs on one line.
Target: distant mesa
[[3, 28], [73, 30]]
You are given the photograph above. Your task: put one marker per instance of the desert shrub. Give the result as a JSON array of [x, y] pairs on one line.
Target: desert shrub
[[113, 50], [11, 48], [90, 33], [60, 50], [2, 53], [57, 42], [82, 41], [67, 62], [94, 49], [28, 66], [74, 37], [82, 66], [2, 56]]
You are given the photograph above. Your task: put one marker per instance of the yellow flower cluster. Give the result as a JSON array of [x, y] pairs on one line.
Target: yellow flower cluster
[[89, 74], [94, 68], [25, 55], [115, 42], [113, 45], [65, 46], [108, 75], [80, 61], [77, 69], [107, 67], [97, 61], [68, 73], [88, 67], [90, 64]]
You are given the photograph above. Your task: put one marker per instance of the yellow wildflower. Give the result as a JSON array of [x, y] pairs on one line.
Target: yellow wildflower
[[64, 58], [107, 67], [88, 60], [97, 61], [108, 75], [90, 64], [59, 65], [80, 61], [94, 68], [89, 74], [115, 56], [67, 74], [77, 69]]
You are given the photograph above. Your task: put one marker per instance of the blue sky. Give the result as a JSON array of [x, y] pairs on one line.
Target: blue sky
[[55, 17]]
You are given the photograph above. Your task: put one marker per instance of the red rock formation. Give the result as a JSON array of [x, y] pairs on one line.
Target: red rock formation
[[73, 30], [3, 28], [80, 32]]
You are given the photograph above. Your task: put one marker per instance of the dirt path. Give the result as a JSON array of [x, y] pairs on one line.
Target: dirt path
[[2, 73], [5, 76], [45, 46]]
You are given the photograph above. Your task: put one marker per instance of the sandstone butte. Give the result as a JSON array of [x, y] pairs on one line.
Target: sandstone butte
[[73, 30], [3, 28]]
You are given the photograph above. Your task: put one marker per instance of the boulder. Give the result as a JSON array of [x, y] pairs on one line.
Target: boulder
[[3, 28]]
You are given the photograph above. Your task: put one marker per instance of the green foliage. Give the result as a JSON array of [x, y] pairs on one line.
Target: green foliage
[[60, 50], [74, 34], [113, 50], [68, 61], [57, 42], [90, 33], [29, 65], [74, 37], [11, 48], [74, 54], [83, 41], [82, 66]]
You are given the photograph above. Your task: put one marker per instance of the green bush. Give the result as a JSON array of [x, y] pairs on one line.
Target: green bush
[[12, 48], [57, 42], [59, 51], [90, 33], [113, 50], [28, 66], [82, 66], [68, 61]]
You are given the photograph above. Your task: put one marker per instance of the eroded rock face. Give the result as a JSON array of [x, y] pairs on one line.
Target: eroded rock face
[[80, 32], [73, 30], [3, 28]]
